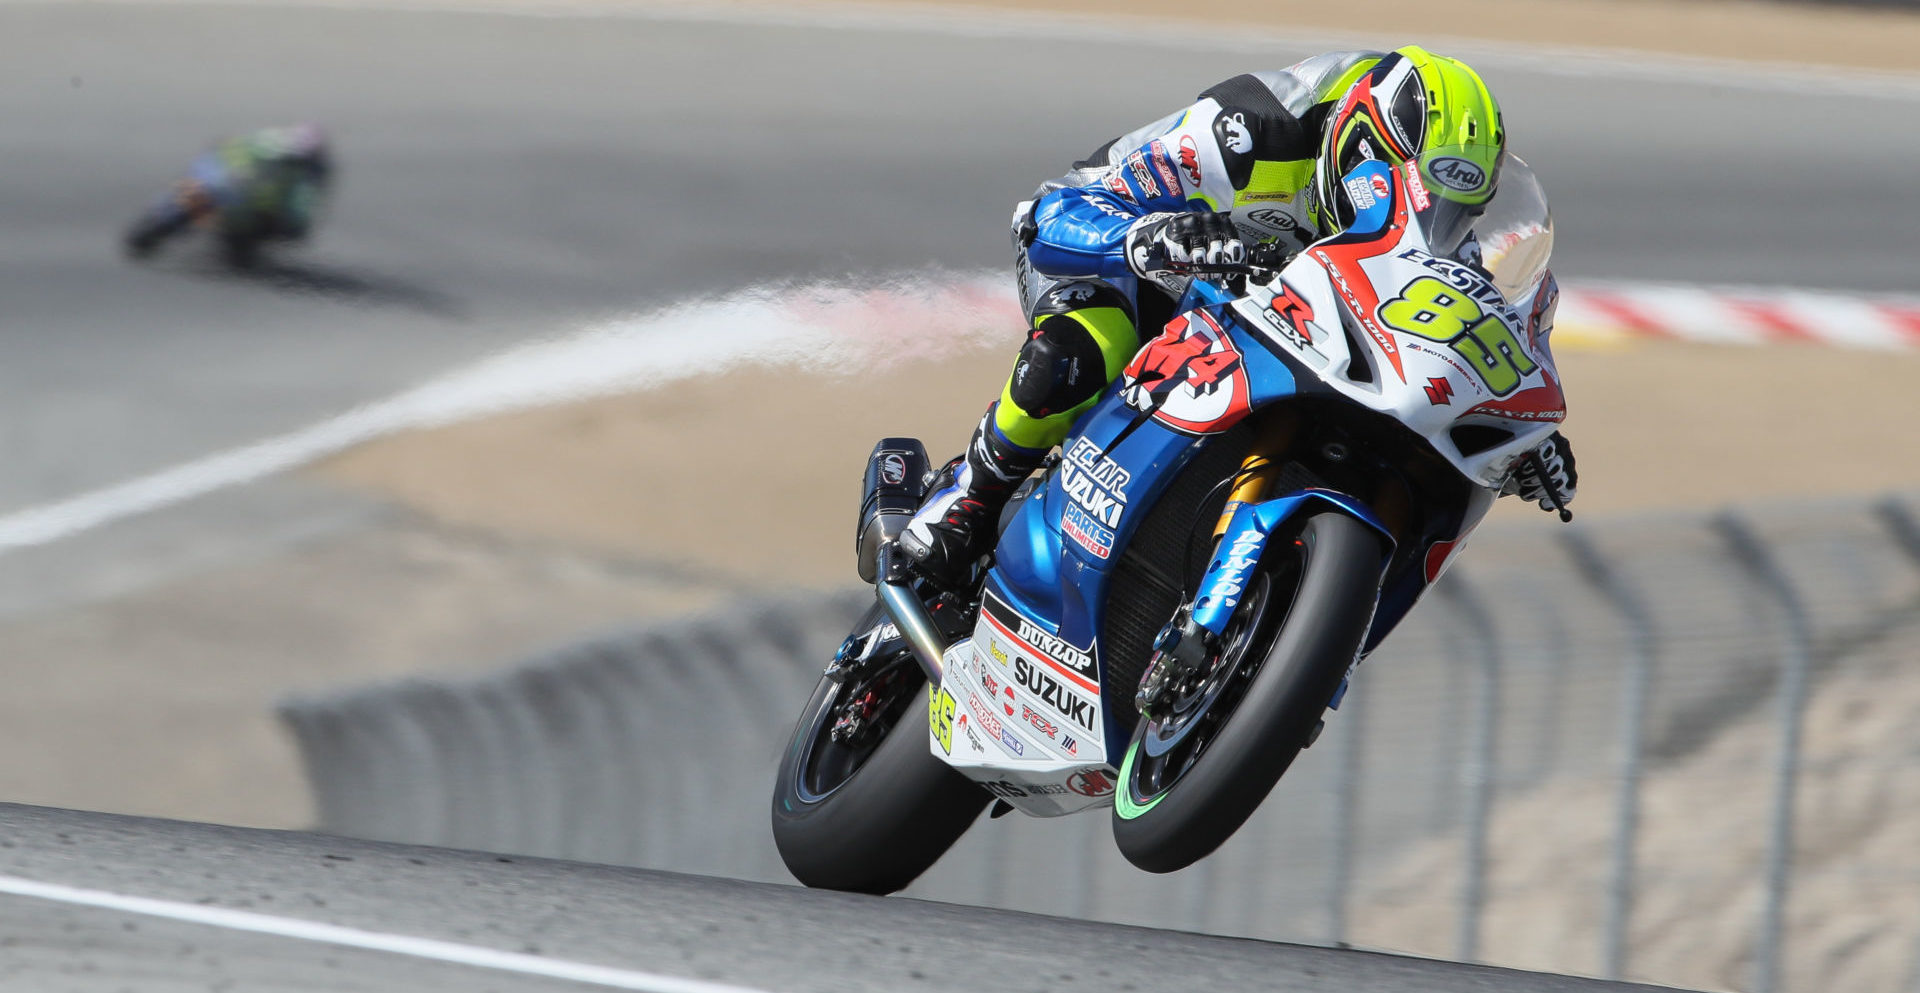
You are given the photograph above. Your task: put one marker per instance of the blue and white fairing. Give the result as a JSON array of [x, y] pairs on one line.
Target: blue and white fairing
[[1027, 687]]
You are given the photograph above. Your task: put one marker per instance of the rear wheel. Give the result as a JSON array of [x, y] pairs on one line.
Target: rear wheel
[[1193, 775], [868, 809]]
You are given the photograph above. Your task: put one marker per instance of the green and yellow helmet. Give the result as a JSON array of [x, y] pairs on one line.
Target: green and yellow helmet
[[1412, 105]]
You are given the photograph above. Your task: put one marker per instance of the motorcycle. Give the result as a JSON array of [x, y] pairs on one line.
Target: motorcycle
[[1178, 599], [243, 214]]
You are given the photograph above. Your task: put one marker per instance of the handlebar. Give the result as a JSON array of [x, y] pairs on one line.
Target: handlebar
[[1261, 258]]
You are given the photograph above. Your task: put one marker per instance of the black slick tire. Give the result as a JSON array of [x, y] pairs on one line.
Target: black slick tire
[[1318, 635], [880, 828]]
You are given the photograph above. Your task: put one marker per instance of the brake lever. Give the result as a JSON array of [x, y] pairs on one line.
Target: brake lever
[[1539, 467]]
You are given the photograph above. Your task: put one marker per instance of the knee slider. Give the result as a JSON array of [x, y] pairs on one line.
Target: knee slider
[[1060, 368]]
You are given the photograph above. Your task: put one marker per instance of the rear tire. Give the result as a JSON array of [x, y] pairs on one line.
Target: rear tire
[[1174, 809], [873, 822]]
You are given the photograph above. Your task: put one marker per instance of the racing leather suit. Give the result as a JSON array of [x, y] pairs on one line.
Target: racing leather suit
[[1247, 145]]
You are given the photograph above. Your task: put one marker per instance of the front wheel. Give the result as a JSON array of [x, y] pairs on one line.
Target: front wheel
[[868, 809], [1191, 777]]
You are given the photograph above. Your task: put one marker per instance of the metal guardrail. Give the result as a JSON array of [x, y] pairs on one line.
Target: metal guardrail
[[1630, 704]]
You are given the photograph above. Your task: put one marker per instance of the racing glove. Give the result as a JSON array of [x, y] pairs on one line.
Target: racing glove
[[1557, 456], [1171, 242]]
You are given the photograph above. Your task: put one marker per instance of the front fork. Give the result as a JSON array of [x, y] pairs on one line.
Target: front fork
[[1249, 518]]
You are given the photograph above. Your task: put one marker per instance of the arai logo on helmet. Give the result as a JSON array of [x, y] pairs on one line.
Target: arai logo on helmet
[[1457, 173]]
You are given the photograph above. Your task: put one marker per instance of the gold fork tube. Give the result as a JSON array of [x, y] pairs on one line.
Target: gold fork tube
[[1260, 468]]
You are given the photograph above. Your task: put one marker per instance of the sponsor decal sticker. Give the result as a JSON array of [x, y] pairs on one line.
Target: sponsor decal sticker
[[1456, 173], [1003, 789], [1191, 378], [1091, 782], [1380, 338], [1380, 187], [1273, 218], [1163, 165], [1231, 129], [1070, 659], [1072, 747], [893, 469], [1361, 192], [1074, 293], [1288, 313], [1416, 187], [940, 717], [1118, 187], [1053, 693], [1013, 744], [1233, 567], [1263, 196], [1087, 532], [1039, 721], [1137, 165], [1467, 280], [972, 738], [984, 716], [1439, 391], [1190, 161], [1095, 482]]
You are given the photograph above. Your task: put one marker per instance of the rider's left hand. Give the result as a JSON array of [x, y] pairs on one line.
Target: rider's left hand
[[1174, 242]]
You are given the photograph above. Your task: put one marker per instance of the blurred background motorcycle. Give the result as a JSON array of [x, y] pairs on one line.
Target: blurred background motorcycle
[[249, 191]]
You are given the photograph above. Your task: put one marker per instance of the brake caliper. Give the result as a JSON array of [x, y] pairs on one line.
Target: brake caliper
[[1180, 653]]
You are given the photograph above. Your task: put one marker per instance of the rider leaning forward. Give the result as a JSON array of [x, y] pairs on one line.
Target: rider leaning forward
[[1101, 248]]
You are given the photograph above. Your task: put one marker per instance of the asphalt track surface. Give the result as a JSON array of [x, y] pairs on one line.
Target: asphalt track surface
[[769, 938], [506, 178]]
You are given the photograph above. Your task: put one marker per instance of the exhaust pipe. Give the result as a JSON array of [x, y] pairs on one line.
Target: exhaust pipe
[[910, 616]]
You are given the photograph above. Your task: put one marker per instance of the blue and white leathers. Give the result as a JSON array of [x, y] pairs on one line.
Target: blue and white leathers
[[1239, 147], [1049, 574], [1030, 688]]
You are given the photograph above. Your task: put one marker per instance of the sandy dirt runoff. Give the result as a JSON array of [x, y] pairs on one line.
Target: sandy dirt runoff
[[756, 472]]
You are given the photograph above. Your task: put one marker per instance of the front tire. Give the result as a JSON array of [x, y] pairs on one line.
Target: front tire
[[1314, 607], [868, 818]]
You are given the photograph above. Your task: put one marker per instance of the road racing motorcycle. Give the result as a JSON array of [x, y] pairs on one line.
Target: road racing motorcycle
[[1180, 596]]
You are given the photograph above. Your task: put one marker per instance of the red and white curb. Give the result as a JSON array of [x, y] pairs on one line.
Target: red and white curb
[[857, 331], [1601, 313]]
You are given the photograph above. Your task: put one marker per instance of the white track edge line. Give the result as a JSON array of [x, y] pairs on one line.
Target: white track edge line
[[378, 941], [966, 21]]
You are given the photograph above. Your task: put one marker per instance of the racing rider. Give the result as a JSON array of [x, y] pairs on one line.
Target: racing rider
[[1101, 249], [259, 187]]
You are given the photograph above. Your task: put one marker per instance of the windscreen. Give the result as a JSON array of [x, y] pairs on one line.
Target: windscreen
[[1514, 227]]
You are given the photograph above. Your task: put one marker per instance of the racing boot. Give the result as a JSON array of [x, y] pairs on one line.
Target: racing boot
[[959, 521]]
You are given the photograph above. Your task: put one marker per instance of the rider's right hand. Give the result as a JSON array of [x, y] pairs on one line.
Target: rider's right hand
[[1173, 242], [1556, 457]]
